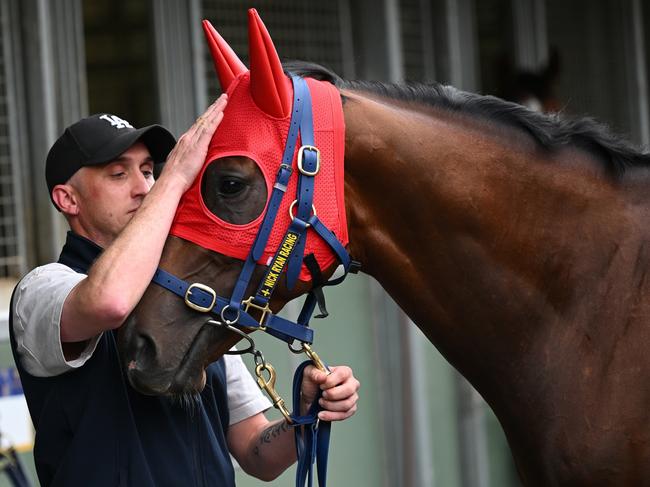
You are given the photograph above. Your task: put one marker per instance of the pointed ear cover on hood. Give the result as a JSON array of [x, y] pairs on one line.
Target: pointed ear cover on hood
[[226, 63], [258, 130], [268, 82]]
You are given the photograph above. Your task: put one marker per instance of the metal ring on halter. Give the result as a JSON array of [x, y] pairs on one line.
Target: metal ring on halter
[[251, 343], [313, 209], [258, 358], [227, 321], [297, 350]]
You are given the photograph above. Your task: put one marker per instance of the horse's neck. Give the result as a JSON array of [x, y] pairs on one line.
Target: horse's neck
[[480, 243]]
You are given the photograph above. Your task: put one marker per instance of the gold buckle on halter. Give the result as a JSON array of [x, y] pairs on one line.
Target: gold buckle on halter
[[203, 287], [301, 152], [264, 309]]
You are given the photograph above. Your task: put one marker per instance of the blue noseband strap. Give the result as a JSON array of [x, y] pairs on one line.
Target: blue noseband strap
[[209, 302]]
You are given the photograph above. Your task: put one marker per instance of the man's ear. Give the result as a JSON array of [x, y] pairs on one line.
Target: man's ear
[[65, 197]]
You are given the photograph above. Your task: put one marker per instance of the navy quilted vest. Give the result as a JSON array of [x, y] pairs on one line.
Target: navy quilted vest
[[93, 428]]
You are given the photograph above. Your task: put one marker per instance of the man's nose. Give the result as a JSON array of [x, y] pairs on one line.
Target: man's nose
[[140, 185]]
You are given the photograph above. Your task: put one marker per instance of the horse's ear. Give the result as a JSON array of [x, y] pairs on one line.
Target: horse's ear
[[270, 87], [226, 62]]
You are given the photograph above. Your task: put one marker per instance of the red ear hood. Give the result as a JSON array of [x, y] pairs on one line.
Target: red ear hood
[[269, 85], [226, 63], [249, 130]]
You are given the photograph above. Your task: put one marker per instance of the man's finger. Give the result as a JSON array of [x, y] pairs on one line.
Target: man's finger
[[337, 376], [341, 391], [215, 109], [336, 416], [210, 120], [339, 405]]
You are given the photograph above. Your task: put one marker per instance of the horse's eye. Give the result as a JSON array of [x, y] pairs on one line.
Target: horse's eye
[[230, 187]]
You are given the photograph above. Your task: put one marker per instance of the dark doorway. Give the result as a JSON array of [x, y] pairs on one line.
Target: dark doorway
[[120, 59]]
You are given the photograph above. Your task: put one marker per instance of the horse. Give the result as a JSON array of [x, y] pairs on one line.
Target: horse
[[516, 241], [534, 88]]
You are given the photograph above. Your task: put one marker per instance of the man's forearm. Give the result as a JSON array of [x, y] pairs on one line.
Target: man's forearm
[[265, 449], [131, 260], [118, 279], [273, 452], [121, 274]]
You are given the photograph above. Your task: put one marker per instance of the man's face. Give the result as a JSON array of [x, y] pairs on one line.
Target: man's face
[[108, 195]]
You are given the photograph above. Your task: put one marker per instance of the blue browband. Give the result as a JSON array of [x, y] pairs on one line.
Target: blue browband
[[313, 438]]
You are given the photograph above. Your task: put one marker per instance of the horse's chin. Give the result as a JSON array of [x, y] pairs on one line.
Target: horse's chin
[[184, 382], [153, 374]]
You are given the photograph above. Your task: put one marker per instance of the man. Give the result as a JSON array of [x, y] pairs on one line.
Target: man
[[92, 428]]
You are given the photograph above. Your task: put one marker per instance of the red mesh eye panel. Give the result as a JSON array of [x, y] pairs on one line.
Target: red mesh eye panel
[[246, 130]]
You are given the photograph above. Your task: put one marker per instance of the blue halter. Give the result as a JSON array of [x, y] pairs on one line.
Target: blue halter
[[312, 435]]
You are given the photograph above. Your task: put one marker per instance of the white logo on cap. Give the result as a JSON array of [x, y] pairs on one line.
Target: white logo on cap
[[116, 121]]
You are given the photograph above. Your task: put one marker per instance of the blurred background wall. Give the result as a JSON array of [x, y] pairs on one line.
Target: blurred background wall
[[419, 423]]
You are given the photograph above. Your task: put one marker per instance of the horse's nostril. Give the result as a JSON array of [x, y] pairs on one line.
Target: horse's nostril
[[145, 351]]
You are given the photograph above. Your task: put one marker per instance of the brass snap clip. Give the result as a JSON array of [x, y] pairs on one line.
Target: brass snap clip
[[313, 356], [268, 386]]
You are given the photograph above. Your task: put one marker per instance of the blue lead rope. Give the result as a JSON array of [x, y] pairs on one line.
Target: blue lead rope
[[312, 435]]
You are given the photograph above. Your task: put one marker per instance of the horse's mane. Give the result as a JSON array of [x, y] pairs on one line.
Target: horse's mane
[[550, 131]]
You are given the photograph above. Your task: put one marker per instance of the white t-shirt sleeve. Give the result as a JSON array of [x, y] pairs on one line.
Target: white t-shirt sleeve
[[245, 399], [38, 304]]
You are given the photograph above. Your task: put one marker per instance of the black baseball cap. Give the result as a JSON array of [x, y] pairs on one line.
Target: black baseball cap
[[99, 139]]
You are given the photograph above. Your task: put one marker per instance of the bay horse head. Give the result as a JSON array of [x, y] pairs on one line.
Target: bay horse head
[[168, 342]]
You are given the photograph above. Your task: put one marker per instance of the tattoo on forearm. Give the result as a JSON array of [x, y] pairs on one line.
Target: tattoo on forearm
[[270, 433]]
